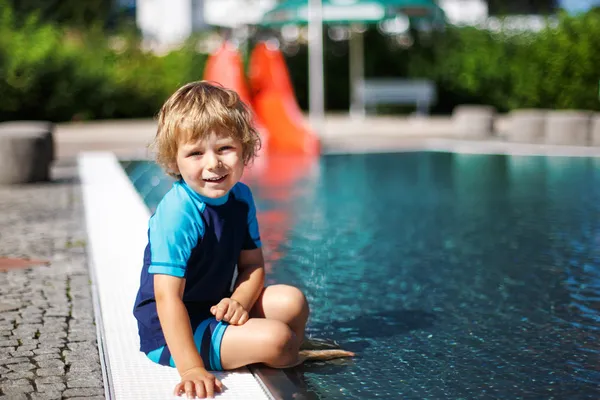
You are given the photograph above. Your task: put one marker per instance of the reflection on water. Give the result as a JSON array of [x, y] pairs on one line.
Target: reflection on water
[[452, 276]]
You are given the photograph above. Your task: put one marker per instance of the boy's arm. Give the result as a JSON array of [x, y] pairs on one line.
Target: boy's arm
[[251, 278], [175, 322]]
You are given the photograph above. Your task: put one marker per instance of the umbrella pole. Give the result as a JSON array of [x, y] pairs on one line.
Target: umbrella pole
[[357, 72], [315, 65]]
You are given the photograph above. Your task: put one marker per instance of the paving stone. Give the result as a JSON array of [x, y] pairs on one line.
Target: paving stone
[[83, 392], [87, 382], [30, 310], [32, 319], [49, 356], [49, 372], [9, 342], [25, 366], [9, 316], [18, 386], [71, 357], [54, 342], [14, 396], [57, 313], [46, 396], [8, 359], [28, 347], [49, 379], [52, 363], [44, 349], [21, 353], [28, 327], [51, 387], [6, 306], [83, 338], [24, 335], [5, 352], [82, 366], [55, 321], [29, 342], [19, 375], [85, 347]]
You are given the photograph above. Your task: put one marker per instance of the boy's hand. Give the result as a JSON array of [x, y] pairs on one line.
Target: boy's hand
[[198, 382], [230, 311]]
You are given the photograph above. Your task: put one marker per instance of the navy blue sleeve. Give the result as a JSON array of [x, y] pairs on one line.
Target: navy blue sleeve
[[174, 231], [252, 239]]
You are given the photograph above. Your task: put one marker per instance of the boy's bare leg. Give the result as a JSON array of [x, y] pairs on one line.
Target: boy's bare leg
[[274, 333], [269, 342], [259, 340], [286, 304]]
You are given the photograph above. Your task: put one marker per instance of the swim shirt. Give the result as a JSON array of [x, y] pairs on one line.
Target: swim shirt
[[200, 239]]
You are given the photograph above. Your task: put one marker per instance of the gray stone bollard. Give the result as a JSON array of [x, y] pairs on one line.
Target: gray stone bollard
[[26, 152], [42, 127], [568, 127], [474, 121], [527, 126], [595, 134]]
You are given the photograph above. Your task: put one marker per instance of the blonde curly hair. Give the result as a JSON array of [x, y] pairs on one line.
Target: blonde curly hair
[[195, 110]]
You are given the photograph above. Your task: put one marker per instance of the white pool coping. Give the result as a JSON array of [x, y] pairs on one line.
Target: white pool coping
[[117, 220], [461, 146]]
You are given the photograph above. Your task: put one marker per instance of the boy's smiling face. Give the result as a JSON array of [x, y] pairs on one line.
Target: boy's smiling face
[[211, 166]]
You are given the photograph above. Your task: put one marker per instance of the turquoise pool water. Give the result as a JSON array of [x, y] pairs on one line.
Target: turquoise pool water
[[452, 276]]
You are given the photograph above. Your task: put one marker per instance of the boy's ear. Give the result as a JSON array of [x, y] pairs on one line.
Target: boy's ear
[[173, 167]]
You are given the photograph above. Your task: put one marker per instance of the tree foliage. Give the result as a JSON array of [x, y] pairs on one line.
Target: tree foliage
[[78, 13]]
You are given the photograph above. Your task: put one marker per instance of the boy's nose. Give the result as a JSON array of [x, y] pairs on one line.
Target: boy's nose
[[212, 161]]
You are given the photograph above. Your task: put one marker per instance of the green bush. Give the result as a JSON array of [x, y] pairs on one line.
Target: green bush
[[59, 75], [556, 68]]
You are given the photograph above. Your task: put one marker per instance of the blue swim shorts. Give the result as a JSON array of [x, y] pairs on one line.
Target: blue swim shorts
[[207, 336]]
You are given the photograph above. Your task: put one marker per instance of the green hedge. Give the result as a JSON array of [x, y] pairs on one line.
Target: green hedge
[[556, 68], [47, 72], [50, 73]]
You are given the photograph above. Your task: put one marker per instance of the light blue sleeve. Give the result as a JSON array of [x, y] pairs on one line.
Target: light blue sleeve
[[252, 240], [174, 231]]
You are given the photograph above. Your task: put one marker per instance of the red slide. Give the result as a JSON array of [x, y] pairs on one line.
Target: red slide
[[275, 103], [225, 66]]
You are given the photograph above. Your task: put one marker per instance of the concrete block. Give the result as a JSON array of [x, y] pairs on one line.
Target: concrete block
[[595, 133], [527, 126], [25, 156], [45, 128], [568, 127], [474, 121]]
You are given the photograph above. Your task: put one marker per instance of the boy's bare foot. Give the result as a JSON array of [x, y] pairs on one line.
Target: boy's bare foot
[[324, 355]]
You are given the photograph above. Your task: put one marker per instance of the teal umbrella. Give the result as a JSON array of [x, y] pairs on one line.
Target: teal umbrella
[[350, 11], [315, 13]]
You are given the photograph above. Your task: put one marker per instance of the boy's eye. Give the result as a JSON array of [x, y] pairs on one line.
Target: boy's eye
[[194, 153], [225, 148]]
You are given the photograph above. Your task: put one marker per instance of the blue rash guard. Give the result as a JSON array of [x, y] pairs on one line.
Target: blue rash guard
[[199, 239]]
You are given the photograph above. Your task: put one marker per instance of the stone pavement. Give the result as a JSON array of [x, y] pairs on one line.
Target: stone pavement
[[48, 347]]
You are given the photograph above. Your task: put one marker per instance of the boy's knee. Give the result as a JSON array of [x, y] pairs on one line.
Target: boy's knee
[[280, 344], [294, 301]]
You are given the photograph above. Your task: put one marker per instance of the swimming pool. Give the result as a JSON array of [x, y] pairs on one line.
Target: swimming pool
[[451, 275]]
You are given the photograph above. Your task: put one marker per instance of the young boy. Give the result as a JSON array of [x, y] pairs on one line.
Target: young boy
[[202, 304]]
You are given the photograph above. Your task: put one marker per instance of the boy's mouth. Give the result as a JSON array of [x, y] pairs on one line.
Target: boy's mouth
[[216, 179]]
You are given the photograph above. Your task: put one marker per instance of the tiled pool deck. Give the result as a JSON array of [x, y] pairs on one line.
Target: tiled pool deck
[[48, 335]]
